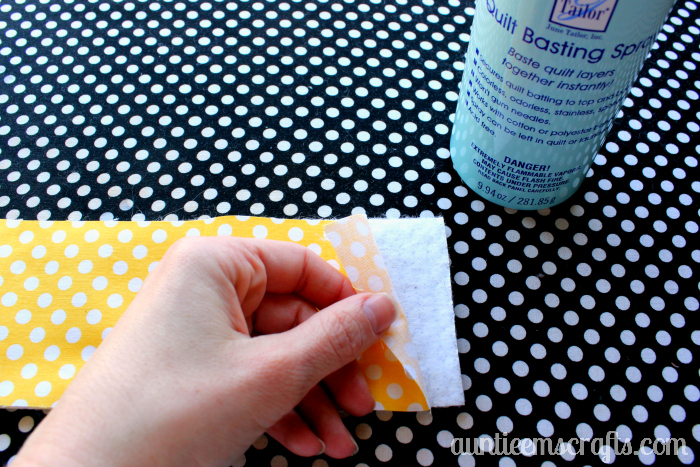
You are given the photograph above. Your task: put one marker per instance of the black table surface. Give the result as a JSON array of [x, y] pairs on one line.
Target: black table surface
[[571, 322]]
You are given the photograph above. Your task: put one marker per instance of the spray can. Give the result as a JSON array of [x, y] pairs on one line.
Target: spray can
[[542, 84]]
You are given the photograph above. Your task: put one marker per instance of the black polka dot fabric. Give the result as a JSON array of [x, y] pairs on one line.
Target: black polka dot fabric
[[571, 322]]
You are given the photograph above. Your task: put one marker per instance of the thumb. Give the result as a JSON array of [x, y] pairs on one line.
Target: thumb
[[338, 334]]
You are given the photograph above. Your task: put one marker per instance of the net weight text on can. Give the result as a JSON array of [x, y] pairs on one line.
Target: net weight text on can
[[490, 192]]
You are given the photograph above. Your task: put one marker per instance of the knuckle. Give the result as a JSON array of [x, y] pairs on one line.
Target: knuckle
[[187, 249], [183, 246], [252, 259], [345, 336], [245, 267]]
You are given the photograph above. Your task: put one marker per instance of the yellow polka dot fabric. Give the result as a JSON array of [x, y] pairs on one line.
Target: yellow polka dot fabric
[[391, 368], [63, 285]]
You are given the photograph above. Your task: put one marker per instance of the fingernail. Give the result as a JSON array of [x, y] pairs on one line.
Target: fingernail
[[380, 311], [357, 448], [323, 447]]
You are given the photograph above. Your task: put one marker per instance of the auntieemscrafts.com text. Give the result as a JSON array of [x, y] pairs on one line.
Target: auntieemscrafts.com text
[[606, 448]]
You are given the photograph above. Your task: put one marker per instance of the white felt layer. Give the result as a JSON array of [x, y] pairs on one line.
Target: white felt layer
[[415, 255]]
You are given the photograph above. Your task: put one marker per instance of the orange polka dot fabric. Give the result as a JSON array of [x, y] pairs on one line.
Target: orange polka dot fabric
[[391, 368], [63, 286]]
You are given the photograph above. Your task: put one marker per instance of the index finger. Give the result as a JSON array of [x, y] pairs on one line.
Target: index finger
[[292, 268]]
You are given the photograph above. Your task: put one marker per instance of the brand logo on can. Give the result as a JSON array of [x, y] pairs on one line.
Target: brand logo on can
[[587, 15]]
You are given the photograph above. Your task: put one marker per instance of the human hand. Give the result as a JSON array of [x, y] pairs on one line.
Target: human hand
[[180, 380]]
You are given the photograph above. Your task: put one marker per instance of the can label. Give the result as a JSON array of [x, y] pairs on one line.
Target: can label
[[542, 84]]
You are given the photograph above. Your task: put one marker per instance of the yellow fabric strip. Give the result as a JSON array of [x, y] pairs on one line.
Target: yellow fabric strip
[[63, 285]]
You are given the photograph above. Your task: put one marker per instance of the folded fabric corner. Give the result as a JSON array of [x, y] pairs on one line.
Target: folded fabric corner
[[390, 366]]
